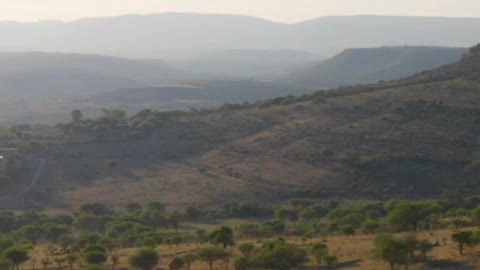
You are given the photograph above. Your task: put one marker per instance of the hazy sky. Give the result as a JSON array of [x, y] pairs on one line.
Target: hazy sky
[[279, 10]]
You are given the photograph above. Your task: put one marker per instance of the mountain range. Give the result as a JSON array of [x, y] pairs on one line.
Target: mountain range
[[43, 87], [370, 65], [173, 35]]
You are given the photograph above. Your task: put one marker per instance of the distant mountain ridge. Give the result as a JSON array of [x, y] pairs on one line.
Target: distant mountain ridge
[[371, 65], [154, 36], [35, 74], [48, 85]]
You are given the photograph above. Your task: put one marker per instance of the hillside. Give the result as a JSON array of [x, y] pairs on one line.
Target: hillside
[[196, 94], [154, 36], [34, 75], [245, 63], [412, 137], [354, 66], [362, 66]]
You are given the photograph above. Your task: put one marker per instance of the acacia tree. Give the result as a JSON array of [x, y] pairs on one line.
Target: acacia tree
[[223, 236], [17, 255], [212, 254], [31, 232], [246, 249], [144, 259], [411, 213], [278, 255], [463, 238], [393, 250], [319, 251], [189, 258], [174, 219], [95, 257]]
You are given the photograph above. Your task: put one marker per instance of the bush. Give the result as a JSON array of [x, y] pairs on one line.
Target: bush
[[370, 226], [348, 230], [278, 255], [144, 259], [95, 257]]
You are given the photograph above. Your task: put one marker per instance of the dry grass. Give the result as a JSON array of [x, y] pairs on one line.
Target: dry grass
[[353, 253]]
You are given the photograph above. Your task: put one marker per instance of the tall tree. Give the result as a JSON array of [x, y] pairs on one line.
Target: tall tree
[[144, 259], [211, 255], [392, 250], [17, 255], [411, 213], [223, 236]]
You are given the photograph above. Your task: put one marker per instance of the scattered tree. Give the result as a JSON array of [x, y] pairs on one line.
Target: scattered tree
[[144, 259]]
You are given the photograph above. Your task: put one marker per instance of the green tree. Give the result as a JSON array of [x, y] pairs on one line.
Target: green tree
[[155, 218], [202, 236], [66, 240], [223, 236], [463, 238], [6, 242], [211, 255], [5, 263], [319, 251], [278, 255], [17, 255], [31, 232], [241, 263], [54, 231], [246, 249], [144, 259], [189, 258], [392, 250], [95, 257], [134, 208], [300, 204], [91, 223], [283, 214], [370, 226], [424, 247], [313, 212], [411, 213], [174, 219], [347, 230]]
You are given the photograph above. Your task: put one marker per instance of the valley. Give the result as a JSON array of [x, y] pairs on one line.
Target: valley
[[195, 141]]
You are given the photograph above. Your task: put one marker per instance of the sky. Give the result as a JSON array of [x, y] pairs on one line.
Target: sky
[[288, 11]]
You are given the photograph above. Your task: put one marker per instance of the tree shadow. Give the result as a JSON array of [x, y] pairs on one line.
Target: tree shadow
[[352, 263], [448, 264]]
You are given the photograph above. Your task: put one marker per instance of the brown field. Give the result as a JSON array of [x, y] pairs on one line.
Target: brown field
[[353, 253]]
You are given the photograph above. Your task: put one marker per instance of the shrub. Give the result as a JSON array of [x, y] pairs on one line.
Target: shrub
[[95, 257], [144, 259]]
